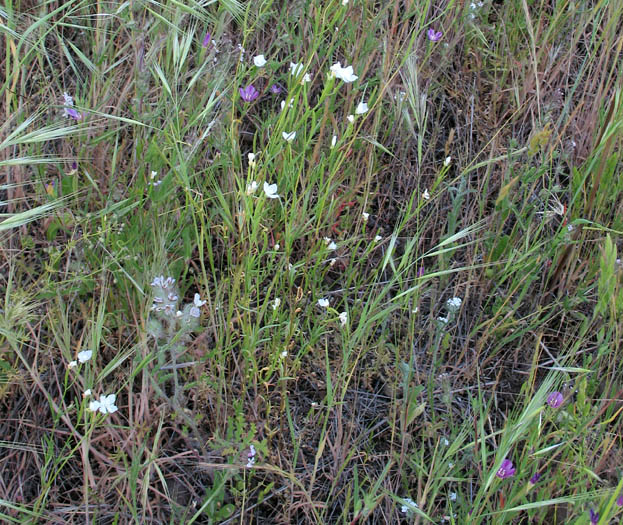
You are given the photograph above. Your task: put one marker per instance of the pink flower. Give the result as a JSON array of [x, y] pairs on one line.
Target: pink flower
[[506, 470], [434, 36]]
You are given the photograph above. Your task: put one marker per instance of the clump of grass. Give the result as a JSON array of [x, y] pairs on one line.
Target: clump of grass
[[397, 289]]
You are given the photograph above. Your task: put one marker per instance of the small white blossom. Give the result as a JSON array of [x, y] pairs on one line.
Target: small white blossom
[[284, 354], [365, 216], [276, 303], [276, 246], [361, 108], [86, 393], [252, 187], [333, 141], [323, 303], [259, 61], [153, 175], [289, 136], [445, 441], [377, 238], [197, 301], [106, 404], [330, 244], [454, 304], [345, 74], [290, 104], [85, 355], [296, 69], [447, 161], [426, 195], [408, 506], [344, 2], [251, 157], [306, 78], [452, 496], [251, 456], [73, 364], [343, 318], [350, 118], [443, 320], [271, 190]]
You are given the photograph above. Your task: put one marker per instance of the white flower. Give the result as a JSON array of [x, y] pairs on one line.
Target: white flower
[[251, 456], [323, 303], [271, 190], [454, 304], [350, 118], [276, 303], [252, 187], [345, 74], [443, 320], [365, 216], [306, 78], [426, 195], [276, 246], [197, 303], [284, 354], [296, 69], [259, 61], [344, 2], [73, 364], [377, 238], [333, 141], [447, 161], [153, 175], [415, 310], [251, 157], [452, 496], [106, 404], [343, 318], [288, 136], [408, 506], [445, 441], [85, 355], [361, 108], [290, 104], [86, 393], [330, 244], [68, 99]]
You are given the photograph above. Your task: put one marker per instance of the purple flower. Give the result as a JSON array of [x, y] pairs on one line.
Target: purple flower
[[420, 272], [619, 501], [206, 39], [555, 399], [69, 110], [275, 88], [535, 479], [248, 94], [594, 517], [506, 469], [434, 36]]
